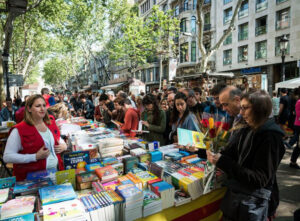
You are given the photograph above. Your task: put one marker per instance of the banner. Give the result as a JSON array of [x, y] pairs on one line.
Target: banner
[[172, 68]]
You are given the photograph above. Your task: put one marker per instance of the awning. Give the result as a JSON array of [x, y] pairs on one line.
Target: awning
[[113, 86], [221, 74], [293, 83], [189, 77]]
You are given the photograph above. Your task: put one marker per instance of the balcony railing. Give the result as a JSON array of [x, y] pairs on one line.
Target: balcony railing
[[186, 7], [243, 13], [261, 6], [207, 27], [281, 24], [260, 30], [243, 36], [261, 54], [227, 61], [228, 40], [242, 58]]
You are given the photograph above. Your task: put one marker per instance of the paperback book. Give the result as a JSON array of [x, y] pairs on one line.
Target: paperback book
[[75, 160], [189, 137], [7, 182], [31, 186], [66, 176], [42, 174]]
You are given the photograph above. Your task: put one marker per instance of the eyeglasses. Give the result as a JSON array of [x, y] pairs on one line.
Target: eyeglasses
[[244, 108]]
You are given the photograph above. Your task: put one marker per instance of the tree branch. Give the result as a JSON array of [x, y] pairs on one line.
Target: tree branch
[[34, 5], [200, 26]]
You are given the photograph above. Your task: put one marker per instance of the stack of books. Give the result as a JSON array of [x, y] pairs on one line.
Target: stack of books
[[165, 191], [145, 176], [137, 151], [133, 201], [130, 163], [152, 203], [106, 174], [181, 198], [16, 207], [110, 147], [31, 186]]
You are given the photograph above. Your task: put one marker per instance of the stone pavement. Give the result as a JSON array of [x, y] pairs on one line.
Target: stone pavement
[[289, 188]]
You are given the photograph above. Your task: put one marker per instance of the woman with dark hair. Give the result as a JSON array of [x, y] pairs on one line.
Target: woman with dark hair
[[251, 162], [181, 116], [153, 119], [35, 143]]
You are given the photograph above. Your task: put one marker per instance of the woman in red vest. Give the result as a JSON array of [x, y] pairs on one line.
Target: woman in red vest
[[35, 143]]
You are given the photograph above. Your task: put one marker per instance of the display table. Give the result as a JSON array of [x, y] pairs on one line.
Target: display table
[[205, 208]]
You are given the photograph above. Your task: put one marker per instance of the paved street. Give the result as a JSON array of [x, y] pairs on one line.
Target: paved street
[[289, 187]]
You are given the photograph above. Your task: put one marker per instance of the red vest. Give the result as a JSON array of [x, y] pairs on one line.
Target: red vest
[[31, 142]]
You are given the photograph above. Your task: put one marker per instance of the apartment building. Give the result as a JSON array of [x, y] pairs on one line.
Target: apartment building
[[252, 51]]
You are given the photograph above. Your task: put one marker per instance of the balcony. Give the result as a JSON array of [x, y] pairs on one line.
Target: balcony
[[261, 54], [243, 36], [261, 30], [227, 61], [207, 27], [242, 58], [261, 6], [284, 23], [243, 13]]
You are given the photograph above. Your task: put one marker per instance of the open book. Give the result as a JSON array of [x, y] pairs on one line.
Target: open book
[[140, 129]]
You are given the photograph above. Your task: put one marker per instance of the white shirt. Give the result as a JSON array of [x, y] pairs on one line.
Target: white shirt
[[14, 146]]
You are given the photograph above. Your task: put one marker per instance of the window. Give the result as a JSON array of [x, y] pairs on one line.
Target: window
[[165, 7], [154, 2], [227, 57], [244, 10], [227, 1], [184, 56], [176, 12], [261, 26], [243, 32], [193, 24], [183, 25], [261, 5], [186, 5], [193, 51], [194, 4], [143, 77], [228, 40], [261, 50], [165, 72], [206, 21], [280, 1], [277, 46], [157, 73], [227, 15], [243, 53], [283, 19]]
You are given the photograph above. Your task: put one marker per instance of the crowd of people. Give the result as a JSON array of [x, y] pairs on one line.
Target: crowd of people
[[251, 157]]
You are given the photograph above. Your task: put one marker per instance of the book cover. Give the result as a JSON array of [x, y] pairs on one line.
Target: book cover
[[92, 167], [150, 198], [57, 193], [19, 206], [66, 176], [26, 217], [106, 173], [67, 210], [42, 174], [87, 177], [75, 160], [189, 137], [31, 185], [129, 191], [7, 182], [4, 195]]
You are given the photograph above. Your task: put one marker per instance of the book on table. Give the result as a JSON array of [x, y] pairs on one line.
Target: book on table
[[31, 186]]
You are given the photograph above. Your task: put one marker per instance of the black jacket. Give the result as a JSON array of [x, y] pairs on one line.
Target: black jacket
[[253, 158]]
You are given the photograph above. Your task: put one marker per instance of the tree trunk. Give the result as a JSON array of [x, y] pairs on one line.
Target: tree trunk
[[25, 69]]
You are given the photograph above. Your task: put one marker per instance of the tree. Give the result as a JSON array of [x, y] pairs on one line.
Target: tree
[[55, 72], [207, 53]]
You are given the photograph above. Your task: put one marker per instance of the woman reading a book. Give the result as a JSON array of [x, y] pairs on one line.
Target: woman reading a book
[[251, 161], [35, 143]]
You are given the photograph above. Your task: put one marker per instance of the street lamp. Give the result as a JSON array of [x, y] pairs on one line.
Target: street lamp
[[283, 43], [5, 72]]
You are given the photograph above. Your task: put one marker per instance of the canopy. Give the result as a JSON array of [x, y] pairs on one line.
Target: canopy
[[113, 86], [293, 83]]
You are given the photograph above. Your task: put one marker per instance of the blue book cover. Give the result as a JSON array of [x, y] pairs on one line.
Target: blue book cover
[[162, 186], [73, 160], [129, 191], [57, 193], [26, 217], [42, 174], [31, 185], [7, 182]]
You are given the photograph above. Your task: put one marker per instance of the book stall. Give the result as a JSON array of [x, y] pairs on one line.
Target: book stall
[[109, 176]]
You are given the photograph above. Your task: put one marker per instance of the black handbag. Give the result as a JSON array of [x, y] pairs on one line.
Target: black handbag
[[241, 203]]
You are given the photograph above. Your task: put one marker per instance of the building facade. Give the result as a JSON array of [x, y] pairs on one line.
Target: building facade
[[252, 51]]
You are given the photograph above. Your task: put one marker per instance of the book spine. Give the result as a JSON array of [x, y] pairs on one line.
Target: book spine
[[86, 204], [94, 201]]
